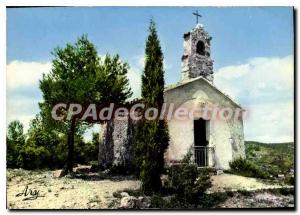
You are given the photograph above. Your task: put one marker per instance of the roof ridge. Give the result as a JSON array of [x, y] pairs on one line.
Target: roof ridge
[[182, 83]]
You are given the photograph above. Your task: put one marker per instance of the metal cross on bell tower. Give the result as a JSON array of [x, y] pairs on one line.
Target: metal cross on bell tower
[[197, 15]]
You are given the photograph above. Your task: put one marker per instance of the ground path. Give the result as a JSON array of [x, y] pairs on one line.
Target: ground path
[[94, 193]]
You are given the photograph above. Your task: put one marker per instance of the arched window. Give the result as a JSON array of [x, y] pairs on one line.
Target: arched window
[[200, 48]]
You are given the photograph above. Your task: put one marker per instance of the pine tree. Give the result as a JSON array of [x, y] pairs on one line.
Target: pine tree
[[151, 140], [79, 76]]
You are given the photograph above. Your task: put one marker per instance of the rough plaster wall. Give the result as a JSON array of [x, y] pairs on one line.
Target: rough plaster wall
[[227, 137], [220, 139], [181, 139]]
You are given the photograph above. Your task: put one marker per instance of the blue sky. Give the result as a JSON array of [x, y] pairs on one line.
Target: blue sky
[[254, 41]]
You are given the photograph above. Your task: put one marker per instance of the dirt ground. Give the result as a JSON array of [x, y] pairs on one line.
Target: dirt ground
[[93, 192], [63, 193], [229, 182]]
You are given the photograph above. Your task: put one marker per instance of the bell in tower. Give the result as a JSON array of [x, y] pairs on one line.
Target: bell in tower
[[196, 59]]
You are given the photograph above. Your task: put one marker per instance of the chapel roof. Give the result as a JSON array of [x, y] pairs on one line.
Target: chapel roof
[[200, 78]]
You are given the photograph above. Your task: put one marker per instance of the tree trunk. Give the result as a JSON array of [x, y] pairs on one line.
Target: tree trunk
[[71, 133]]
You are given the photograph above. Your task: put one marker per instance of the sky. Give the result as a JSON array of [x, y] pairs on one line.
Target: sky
[[252, 49]]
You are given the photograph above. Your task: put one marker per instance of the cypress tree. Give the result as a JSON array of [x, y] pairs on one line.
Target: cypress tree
[[152, 136]]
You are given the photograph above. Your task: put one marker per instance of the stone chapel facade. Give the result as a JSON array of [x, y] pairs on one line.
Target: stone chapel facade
[[214, 142]]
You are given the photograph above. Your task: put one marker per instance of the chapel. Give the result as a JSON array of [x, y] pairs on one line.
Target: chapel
[[213, 141]]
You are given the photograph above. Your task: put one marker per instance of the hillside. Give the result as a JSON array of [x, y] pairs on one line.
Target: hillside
[[276, 159]]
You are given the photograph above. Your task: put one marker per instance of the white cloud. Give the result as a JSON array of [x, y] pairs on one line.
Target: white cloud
[[25, 74], [135, 74], [265, 87], [135, 81], [23, 77], [270, 122]]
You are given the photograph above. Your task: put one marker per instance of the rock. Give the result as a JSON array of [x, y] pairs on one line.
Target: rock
[[281, 176], [219, 172], [106, 171], [143, 202], [164, 180], [94, 168], [266, 197], [124, 194], [59, 173], [82, 169], [128, 202], [92, 205]]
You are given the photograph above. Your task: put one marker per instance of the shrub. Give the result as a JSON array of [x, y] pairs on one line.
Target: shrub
[[34, 157], [157, 201], [188, 182], [214, 199], [15, 140], [290, 179], [247, 168], [43, 147]]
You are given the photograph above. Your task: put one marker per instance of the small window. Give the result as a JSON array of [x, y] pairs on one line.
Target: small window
[[200, 48]]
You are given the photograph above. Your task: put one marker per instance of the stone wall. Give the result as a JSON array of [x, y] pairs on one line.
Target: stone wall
[[116, 147], [194, 64]]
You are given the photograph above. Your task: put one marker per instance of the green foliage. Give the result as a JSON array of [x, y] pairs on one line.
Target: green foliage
[[33, 156], [15, 140], [188, 182], [153, 75], [46, 148], [290, 179], [43, 148], [113, 84], [214, 199], [85, 152], [158, 202], [247, 168], [271, 158], [79, 76], [167, 202], [150, 144], [151, 137]]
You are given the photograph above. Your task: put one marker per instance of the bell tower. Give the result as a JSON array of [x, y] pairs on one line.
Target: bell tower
[[196, 59]]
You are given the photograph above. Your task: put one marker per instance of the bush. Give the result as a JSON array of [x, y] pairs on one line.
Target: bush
[[290, 179], [247, 168], [160, 202], [44, 148], [214, 199], [188, 182], [34, 157], [15, 140]]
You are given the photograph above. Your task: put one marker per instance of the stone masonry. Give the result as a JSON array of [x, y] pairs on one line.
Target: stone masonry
[[196, 59]]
